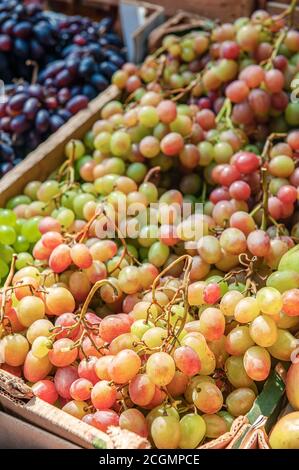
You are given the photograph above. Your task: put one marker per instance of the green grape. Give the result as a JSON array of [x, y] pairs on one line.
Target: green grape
[[68, 197], [7, 217], [215, 425], [120, 143], [66, 217], [240, 401], [17, 201], [7, 235], [41, 346], [228, 418], [158, 254], [161, 410], [102, 142], [269, 300], [74, 149], [31, 189], [283, 280], [23, 260], [30, 229], [140, 327], [19, 225], [150, 191], [292, 114], [89, 140], [3, 269], [284, 345], [104, 185], [207, 153], [48, 190], [79, 203], [88, 188], [165, 431], [182, 125], [236, 373], [6, 253], [192, 431], [136, 171], [21, 244], [223, 152]]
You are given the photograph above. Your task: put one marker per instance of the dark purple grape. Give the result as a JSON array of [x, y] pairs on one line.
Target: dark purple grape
[[87, 67], [36, 50], [36, 90], [77, 103], [64, 95], [64, 114], [99, 81], [6, 151], [107, 69], [21, 48], [19, 124], [63, 78], [17, 102], [5, 124], [31, 107], [5, 167], [5, 43], [22, 29], [42, 120], [89, 91], [56, 121], [8, 26]]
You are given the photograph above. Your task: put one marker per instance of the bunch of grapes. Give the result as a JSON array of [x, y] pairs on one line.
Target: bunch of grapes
[[122, 309], [26, 34], [89, 54], [30, 113], [75, 58]]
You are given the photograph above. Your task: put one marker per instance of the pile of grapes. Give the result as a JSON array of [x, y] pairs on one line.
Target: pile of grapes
[[57, 65], [121, 307]]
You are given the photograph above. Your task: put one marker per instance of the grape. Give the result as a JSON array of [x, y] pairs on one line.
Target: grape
[[45, 390], [212, 323], [284, 345], [141, 390], [104, 418], [246, 310], [63, 353], [192, 431], [160, 368], [236, 373], [124, 366], [30, 309], [207, 397], [103, 395], [165, 431], [257, 363], [134, 421], [81, 389], [187, 360], [263, 331], [239, 339], [240, 401], [269, 300], [41, 346], [87, 369]]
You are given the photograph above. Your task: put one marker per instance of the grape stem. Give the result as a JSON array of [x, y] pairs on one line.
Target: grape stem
[[225, 113], [151, 172]]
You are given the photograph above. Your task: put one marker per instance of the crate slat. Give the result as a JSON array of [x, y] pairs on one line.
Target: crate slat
[[50, 154]]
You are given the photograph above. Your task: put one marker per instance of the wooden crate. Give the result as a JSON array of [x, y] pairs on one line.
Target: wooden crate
[[225, 10], [50, 154], [276, 8]]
